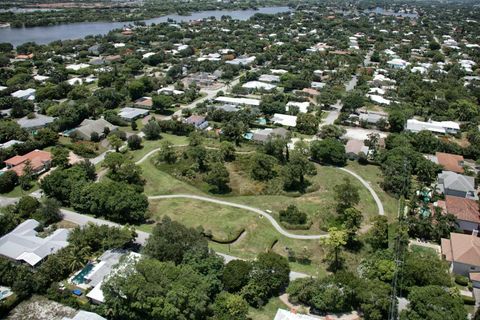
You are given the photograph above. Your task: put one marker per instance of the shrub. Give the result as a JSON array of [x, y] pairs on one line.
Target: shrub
[[468, 300], [461, 280], [293, 216]]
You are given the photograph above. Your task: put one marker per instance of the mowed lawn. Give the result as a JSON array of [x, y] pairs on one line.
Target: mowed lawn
[[373, 175], [224, 222], [319, 204]]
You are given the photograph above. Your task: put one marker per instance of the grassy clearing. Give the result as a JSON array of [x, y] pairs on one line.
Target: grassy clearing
[[373, 175], [19, 192], [223, 222], [149, 145], [268, 311]]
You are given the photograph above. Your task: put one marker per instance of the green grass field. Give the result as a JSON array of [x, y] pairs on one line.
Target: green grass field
[[373, 174]]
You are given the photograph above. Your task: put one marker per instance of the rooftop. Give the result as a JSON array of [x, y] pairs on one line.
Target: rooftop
[[22, 243], [450, 162], [463, 248], [463, 209]]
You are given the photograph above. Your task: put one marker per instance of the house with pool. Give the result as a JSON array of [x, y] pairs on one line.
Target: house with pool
[[92, 276]]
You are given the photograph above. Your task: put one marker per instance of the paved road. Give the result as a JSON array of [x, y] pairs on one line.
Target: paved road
[[337, 107], [271, 219], [381, 211]]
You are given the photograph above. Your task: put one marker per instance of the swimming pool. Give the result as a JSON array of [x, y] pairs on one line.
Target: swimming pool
[[80, 277]]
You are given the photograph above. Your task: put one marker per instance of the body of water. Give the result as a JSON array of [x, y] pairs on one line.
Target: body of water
[[382, 11], [47, 34]]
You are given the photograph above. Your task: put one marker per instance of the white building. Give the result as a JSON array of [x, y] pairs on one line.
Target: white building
[[245, 61], [76, 67], [441, 127], [257, 85], [397, 63], [239, 101], [27, 94], [302, 106], [284, 120], [287, 315], [22, 243]]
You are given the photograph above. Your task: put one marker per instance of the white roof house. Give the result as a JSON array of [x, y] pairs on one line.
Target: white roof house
[[111, 263], [284, 120], [76, 67], [40, 78], [379, 99], [287, 315], [397, 63], [130, 114], [75, 81], [239, 101], [257, 85], [242, 61], [85, 315], [269, 78], [9, 144], [23, 244], [27, 94], [442, 127], [302, 106]]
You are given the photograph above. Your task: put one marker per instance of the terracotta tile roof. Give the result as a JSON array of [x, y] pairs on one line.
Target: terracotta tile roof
[[463, 248], [463, 209], [451, 162], [37, 158], [475, 276]]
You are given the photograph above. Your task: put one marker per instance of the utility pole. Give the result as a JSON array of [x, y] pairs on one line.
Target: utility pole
[[398, 246]]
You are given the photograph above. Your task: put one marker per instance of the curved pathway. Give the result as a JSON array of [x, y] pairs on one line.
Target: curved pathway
[[381, 211], [271, 219]]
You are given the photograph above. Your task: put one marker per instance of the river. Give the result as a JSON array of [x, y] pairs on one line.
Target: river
[[47, 34]]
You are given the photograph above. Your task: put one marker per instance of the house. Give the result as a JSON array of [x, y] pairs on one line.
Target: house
[[85, 315], [263, 135], [284, 120], [76, 67], [132, 114], [95, 49], [87, 127], [310, 92], [454, 184], [269, 78], [227, 108], [239, 101], [144, 103], [397, 63], [440, 127], [109, 263], [37, 121], [302, 106], [198, 121], [372, 117], [450, 162], [40, 161], [287, 315], [466, 212], [23, 245], [170, 91], [242, 61], [9, 144], [463, 252], [27, 94], [257, 85], [354, 148], [378, 99]]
